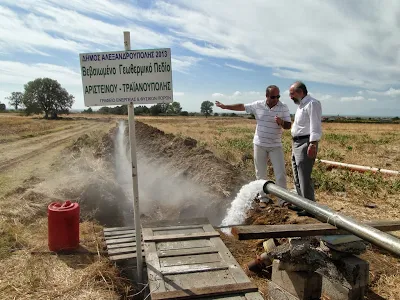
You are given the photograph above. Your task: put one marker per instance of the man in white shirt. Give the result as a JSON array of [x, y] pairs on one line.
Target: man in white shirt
[[306, 132], [272, 117]]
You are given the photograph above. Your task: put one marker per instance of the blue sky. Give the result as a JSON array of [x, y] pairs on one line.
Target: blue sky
[[347, 52]]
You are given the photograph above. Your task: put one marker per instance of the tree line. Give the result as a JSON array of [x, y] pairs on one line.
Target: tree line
[[47, 96]]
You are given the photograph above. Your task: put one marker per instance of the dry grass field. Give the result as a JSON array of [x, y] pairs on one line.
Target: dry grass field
[[36, 169], [43, 161]]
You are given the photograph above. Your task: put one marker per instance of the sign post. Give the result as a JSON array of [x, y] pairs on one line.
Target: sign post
[[132, 141], [125, 78]]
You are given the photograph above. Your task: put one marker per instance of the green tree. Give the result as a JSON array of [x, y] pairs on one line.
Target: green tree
[[48, 96], [88, 111], [156, 109], [164, 107], [206, 108], [141, 110], [174, 108], [15, 99], [104, 110]]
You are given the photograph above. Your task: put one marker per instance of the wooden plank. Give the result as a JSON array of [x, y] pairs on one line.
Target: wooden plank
[[125, 256], [118, 228], [119, 241], [166, 223], [113, 246], [189, 259], [155, 277], [196, 268], [301, 230], [176, 227], [179, 237], [235, 269], [119, 236], [196, 280], [119, 232], [212, 291], [121, 250], [189, 251], [178, 231], [188, 244]]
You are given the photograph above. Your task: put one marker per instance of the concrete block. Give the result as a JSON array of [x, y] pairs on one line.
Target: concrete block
[[333, 290], [275, 292], [356, 278], [303, 285], [355, 270]]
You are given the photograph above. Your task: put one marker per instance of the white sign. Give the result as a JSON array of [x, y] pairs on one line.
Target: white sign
[[121, 77]]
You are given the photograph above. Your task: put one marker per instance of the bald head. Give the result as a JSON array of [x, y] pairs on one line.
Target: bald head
[[298, 91]]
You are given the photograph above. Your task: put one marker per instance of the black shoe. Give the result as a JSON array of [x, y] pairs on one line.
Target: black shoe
[[304, 213]]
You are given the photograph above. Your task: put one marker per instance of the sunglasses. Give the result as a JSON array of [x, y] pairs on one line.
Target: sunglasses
[[275, 97]]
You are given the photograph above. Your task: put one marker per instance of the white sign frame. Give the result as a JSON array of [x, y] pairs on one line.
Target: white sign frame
[[130, 76]]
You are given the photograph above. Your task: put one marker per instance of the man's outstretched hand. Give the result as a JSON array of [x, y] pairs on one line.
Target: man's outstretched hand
[[219, 104]]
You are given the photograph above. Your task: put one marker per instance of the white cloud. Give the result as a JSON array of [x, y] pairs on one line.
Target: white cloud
[[372, 99], [16, 74], [320, 96], [238, 67], [183, 63], [46, 26], [360, 92], [237, 95], [350, 99], [390, 92], [217, 95], [310, 52], [179, 94], [20, 73]]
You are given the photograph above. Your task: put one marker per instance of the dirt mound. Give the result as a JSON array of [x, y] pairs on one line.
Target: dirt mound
[[101, 144]]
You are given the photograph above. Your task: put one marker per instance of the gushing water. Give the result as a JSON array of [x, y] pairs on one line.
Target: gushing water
[[241, 204], [122, 164]]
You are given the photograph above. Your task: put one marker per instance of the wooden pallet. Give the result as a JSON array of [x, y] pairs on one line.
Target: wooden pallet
[[121, 243], [188, 260]]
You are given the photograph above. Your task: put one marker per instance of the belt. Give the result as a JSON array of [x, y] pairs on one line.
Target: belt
[[300, 137]]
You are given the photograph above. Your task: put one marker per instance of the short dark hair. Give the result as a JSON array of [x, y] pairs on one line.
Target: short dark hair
[[269, 88], [300, 86]]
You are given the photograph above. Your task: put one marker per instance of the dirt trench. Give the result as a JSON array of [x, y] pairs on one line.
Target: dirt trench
[[181, 179], [178, 179]]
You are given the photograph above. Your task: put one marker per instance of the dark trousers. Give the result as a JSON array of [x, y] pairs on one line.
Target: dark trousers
[[302, 167]]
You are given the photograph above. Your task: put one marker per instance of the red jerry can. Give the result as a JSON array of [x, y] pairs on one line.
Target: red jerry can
[[63, 226]]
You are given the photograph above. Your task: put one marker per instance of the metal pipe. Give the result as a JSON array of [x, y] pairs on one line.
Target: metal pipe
[[358, 168], [325, 214]]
